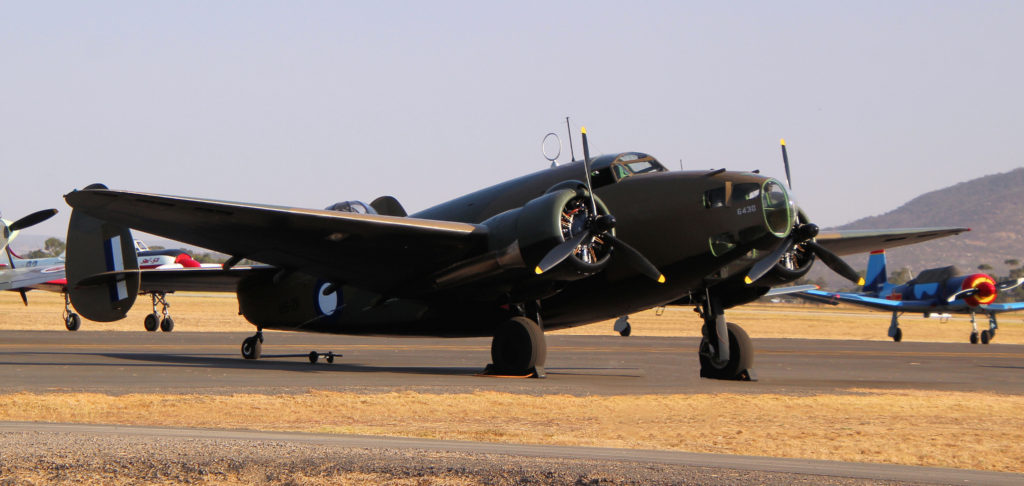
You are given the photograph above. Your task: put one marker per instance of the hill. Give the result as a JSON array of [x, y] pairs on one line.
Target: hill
[[989, 205]]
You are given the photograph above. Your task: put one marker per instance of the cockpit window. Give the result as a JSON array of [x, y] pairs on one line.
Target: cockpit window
[[749, 191], [631, 164]]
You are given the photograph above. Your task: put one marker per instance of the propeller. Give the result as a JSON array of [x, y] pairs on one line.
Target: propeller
[[999, 287], [802, 235], [596, 229], [32, 219]]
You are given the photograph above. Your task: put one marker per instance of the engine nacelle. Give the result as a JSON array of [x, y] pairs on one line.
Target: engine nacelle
[[518, 239], [287, 302]]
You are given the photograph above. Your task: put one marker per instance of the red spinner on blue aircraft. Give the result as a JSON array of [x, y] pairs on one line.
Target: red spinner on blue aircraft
[[934, 291]]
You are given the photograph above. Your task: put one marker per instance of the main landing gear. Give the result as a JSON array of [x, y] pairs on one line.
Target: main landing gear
[[726, 352], [518, 349], [984, 336], [894, 327], [622, 326], [71, 320], [160, 319]]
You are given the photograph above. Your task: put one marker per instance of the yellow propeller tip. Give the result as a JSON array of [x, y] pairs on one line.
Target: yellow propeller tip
[[538, 270], [583, 130], [661, 279], [782, 141], [861, 282], [747, 280]]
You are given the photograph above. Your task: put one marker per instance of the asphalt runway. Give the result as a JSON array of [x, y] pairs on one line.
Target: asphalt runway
[[129, 362]]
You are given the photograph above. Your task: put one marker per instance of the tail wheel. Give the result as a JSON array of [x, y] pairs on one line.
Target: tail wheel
[[741, 356], [252, 348], [518, 347]]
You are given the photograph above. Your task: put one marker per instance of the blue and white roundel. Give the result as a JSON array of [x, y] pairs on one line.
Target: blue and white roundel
[[327, 304]]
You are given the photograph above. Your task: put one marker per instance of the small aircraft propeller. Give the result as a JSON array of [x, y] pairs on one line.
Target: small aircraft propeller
[[31, 220], [802, 235], [597, 227], [999, 287]]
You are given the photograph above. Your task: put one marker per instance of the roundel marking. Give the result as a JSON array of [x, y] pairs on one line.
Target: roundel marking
[[327, 304]]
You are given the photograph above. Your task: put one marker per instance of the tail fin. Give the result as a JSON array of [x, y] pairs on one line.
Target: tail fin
[[877, 275], [102, 270]]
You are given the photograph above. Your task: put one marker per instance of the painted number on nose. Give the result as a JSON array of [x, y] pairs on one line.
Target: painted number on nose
[[747, 210]]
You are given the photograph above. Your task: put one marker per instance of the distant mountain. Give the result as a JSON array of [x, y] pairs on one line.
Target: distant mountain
[[989, 205]]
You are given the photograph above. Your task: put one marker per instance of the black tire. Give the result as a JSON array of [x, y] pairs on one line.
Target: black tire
[[252, 348], [626, 331], [152, 322], [330, 357], [167, 324], [73, 322], [313, 356], [974, 338], [899, 335], [741, 356], [985, 338], [518, 347]]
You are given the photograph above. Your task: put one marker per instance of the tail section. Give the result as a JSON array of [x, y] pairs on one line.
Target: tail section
[[102, 269], [877, 275]]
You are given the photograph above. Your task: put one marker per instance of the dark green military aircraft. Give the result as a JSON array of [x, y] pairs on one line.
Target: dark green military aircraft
[[540, 252]]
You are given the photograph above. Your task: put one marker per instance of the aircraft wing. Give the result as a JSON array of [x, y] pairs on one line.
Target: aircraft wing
[[999, 308], [848, 242], [373, 251], [866, 301], [21, 278]]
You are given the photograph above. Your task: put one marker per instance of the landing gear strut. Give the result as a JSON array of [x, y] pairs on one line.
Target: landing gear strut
[[894, 327], [726, 352], [252, 346], [71, 320], [160, 319], [518, 348]]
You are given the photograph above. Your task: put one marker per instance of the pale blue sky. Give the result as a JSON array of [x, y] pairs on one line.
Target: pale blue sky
[[309, 103]]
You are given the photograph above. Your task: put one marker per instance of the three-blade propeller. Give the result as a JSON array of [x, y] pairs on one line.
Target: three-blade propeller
[[597, 227], [802, 236]]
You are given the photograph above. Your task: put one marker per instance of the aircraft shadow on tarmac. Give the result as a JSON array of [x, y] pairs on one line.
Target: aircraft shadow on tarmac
[[300, 363]]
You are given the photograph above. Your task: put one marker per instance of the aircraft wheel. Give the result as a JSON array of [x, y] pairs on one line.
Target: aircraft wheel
[[741, 356], [985, 338], [626, 330], [313, 356], [152, 322], [518, 347], [974, 338], [899, 335], [73, 322], [167, 324], [330, 357], [252, 348]]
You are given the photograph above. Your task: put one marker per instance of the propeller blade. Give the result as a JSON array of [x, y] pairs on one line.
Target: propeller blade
[[33, 219], [785, 161], [586, 168], [635, 259], [560, 252], [765, 264], [1009, 284], [24, 297], [835, 263], [962, 294]]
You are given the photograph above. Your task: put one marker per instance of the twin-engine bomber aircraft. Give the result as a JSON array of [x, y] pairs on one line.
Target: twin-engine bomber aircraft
[[535, 253]]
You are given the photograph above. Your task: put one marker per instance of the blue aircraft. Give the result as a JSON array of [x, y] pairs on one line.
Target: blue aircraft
[[935, 291]]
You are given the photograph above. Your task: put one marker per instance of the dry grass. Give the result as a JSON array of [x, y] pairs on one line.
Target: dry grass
[[219, 312], [952, 429]]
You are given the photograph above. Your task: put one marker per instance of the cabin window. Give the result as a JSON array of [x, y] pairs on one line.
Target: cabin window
[[714, 198], [722, 243]]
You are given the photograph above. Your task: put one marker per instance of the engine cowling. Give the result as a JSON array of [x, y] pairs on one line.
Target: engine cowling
[[986, 289]]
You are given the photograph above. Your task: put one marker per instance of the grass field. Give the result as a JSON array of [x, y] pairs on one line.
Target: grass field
[[952, 429]]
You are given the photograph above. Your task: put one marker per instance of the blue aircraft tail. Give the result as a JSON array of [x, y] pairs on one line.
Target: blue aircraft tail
[[876, 276]]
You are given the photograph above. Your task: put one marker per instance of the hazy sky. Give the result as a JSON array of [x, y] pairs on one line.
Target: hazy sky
[[309, 103]]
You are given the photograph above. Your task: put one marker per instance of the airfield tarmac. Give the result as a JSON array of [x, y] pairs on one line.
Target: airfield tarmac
[[48, 365]]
